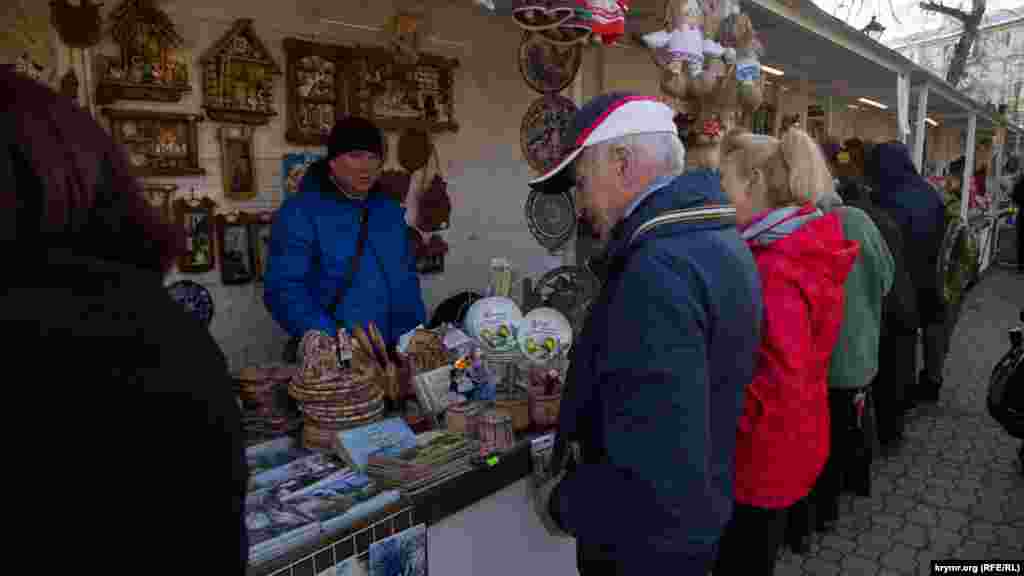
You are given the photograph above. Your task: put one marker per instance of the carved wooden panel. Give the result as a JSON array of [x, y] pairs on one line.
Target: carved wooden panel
[[238, 77], [157, 143], [398, 96], [315, 88]]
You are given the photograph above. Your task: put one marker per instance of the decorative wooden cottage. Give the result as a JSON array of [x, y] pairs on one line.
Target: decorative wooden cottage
[[150, 67], [238, 77]]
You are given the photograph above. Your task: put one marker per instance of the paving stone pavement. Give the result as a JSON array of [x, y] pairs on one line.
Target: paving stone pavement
[[952, 491]]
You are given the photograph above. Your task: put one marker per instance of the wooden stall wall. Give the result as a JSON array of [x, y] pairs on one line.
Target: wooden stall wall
[[482, 161]]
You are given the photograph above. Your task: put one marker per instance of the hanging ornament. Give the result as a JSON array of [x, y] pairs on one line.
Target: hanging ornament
[[406, 30]]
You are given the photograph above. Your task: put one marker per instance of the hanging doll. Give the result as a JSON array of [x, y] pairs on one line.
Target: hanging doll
[[607, 19], [729, 10], [748, 63], [679, 45], [713, 52]]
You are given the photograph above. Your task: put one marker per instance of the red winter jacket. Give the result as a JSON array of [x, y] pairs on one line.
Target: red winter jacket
[[783, 435]]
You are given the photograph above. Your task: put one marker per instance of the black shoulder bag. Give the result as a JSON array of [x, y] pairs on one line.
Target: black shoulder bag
[[291, 351]]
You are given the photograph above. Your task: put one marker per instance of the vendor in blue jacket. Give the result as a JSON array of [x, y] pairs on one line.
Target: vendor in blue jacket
[[316, 235], [642, 472]]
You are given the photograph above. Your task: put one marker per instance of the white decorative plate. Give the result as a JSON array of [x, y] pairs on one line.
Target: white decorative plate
[[545, 334], [494, 323]]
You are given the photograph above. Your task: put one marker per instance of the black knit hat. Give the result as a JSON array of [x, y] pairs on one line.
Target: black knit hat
[[353, 133]]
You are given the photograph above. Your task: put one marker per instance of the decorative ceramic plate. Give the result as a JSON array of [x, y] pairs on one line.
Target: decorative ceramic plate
[[494, 322], [195, 298], [546, 67], [570, 290], [551, 217], [545, 334], [540, 134]]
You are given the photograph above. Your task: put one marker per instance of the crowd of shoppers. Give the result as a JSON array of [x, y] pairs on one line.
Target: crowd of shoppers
[[754, 338], [844, 243]]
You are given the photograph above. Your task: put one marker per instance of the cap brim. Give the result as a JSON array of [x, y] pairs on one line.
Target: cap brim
[[557, 169]]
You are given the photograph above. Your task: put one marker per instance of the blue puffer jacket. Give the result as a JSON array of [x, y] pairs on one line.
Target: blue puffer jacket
[[656, 389], [312, 242]]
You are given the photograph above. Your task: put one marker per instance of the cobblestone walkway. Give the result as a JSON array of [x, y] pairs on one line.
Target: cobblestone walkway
[[952, 492]]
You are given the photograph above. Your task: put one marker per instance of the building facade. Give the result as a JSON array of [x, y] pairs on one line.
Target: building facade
[[995, 68]]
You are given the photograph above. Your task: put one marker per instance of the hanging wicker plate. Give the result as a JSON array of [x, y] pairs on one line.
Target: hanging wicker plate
[[543, 14], [414, 149], [570, 290], [195, 298], [551, 217], [546, 67], [540, 134], [573, 31]]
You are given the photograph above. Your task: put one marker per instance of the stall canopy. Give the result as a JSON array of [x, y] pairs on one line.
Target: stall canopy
[[806, 43]]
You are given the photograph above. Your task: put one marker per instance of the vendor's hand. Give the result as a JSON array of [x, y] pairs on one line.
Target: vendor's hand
[[541, 496]]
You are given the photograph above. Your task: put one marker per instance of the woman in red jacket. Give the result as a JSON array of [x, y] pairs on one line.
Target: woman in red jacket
[[783, 437]]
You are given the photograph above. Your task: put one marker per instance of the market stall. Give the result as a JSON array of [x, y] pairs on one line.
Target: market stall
[[421, 456]]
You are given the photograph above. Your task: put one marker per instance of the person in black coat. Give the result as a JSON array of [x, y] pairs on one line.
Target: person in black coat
[[913, 204], [130, 426], [898, 339]]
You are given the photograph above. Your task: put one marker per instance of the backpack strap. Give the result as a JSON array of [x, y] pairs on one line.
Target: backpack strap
[[725, 213]]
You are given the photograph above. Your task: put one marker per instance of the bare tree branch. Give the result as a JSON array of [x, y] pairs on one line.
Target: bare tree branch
[[971, 21], [943, 9], [892, 11]]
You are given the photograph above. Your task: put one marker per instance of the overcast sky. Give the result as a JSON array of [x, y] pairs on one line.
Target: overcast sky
[[911, 18]]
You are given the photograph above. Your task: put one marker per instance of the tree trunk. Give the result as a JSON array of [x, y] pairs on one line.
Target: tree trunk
[[971, 21]]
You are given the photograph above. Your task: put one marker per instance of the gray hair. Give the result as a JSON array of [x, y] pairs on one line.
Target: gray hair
[[663, 149]]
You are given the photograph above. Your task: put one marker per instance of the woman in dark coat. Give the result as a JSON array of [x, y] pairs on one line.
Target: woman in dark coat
[[918, 211], [134, 428], [898, 342]]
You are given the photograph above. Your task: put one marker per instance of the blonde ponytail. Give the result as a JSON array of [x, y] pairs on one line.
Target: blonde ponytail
[[809, 177]]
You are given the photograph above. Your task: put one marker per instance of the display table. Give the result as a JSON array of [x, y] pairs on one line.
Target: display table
[[481, 522]]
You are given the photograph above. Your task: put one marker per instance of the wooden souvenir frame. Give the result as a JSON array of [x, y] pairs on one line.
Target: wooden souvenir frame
[[126, 127], [373, 74], [259, 238], [160, 77], [238, 162], [235, 248], [239, 52], [188, 213], [297, 67], [161, 197]]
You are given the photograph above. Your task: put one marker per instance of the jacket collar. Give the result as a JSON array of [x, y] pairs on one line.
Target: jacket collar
[[775, 224], [689, 190]]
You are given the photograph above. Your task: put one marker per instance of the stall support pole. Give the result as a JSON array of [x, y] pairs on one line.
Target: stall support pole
[[965, 182], [920, 128], [903, 106]]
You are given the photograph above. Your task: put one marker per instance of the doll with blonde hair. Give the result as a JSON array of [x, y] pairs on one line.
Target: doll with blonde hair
[[782, 440]]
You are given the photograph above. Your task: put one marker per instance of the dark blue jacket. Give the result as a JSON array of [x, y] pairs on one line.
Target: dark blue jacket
[[655, 391], [912, 202], [312, 242]]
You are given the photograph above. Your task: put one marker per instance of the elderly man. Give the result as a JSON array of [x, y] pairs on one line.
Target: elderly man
[[643, 463], [339, 253]]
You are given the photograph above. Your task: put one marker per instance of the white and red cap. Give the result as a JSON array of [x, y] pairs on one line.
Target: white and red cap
[[607, 117]]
